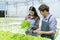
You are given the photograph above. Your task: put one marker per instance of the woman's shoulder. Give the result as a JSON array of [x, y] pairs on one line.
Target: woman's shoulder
[[37, 18]]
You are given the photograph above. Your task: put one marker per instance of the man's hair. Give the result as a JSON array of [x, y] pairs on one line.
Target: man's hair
[[44, 7]]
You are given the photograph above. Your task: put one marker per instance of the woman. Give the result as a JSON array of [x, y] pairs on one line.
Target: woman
[[34, 20]]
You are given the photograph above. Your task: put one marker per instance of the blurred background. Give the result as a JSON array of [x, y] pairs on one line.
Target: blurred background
[[16, 8]]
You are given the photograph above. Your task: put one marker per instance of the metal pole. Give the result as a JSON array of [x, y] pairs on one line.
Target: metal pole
[[16, 8], [32, 2], [27, 5], [5, 9]]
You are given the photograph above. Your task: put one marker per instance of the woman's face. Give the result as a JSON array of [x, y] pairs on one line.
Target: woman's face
[[31, 13]]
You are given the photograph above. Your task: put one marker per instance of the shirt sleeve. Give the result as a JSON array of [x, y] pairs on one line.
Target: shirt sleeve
[[53, 24]]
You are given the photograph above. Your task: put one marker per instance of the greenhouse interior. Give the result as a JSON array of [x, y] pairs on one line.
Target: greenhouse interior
[[12, 18]]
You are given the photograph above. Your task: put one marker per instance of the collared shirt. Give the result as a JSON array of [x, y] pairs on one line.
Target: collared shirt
[[52, 23]]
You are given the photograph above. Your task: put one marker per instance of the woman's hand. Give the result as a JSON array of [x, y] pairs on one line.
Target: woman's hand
[[28, 32], [34, 28]]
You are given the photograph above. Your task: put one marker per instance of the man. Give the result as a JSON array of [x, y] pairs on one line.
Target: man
[[48, 26]]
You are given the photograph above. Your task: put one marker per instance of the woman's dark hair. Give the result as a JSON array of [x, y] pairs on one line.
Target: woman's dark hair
[[44, 7], [33, 9]]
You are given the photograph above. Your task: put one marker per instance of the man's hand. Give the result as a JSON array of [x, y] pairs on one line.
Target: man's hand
[[43, 32], [38, 31]]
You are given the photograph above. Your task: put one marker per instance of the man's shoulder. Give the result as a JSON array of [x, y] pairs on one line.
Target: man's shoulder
[[52, 19]]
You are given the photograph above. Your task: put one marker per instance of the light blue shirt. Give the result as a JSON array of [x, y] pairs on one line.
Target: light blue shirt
[[52, 23]]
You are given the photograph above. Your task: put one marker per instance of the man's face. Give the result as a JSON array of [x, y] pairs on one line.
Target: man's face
[[43, 13]]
